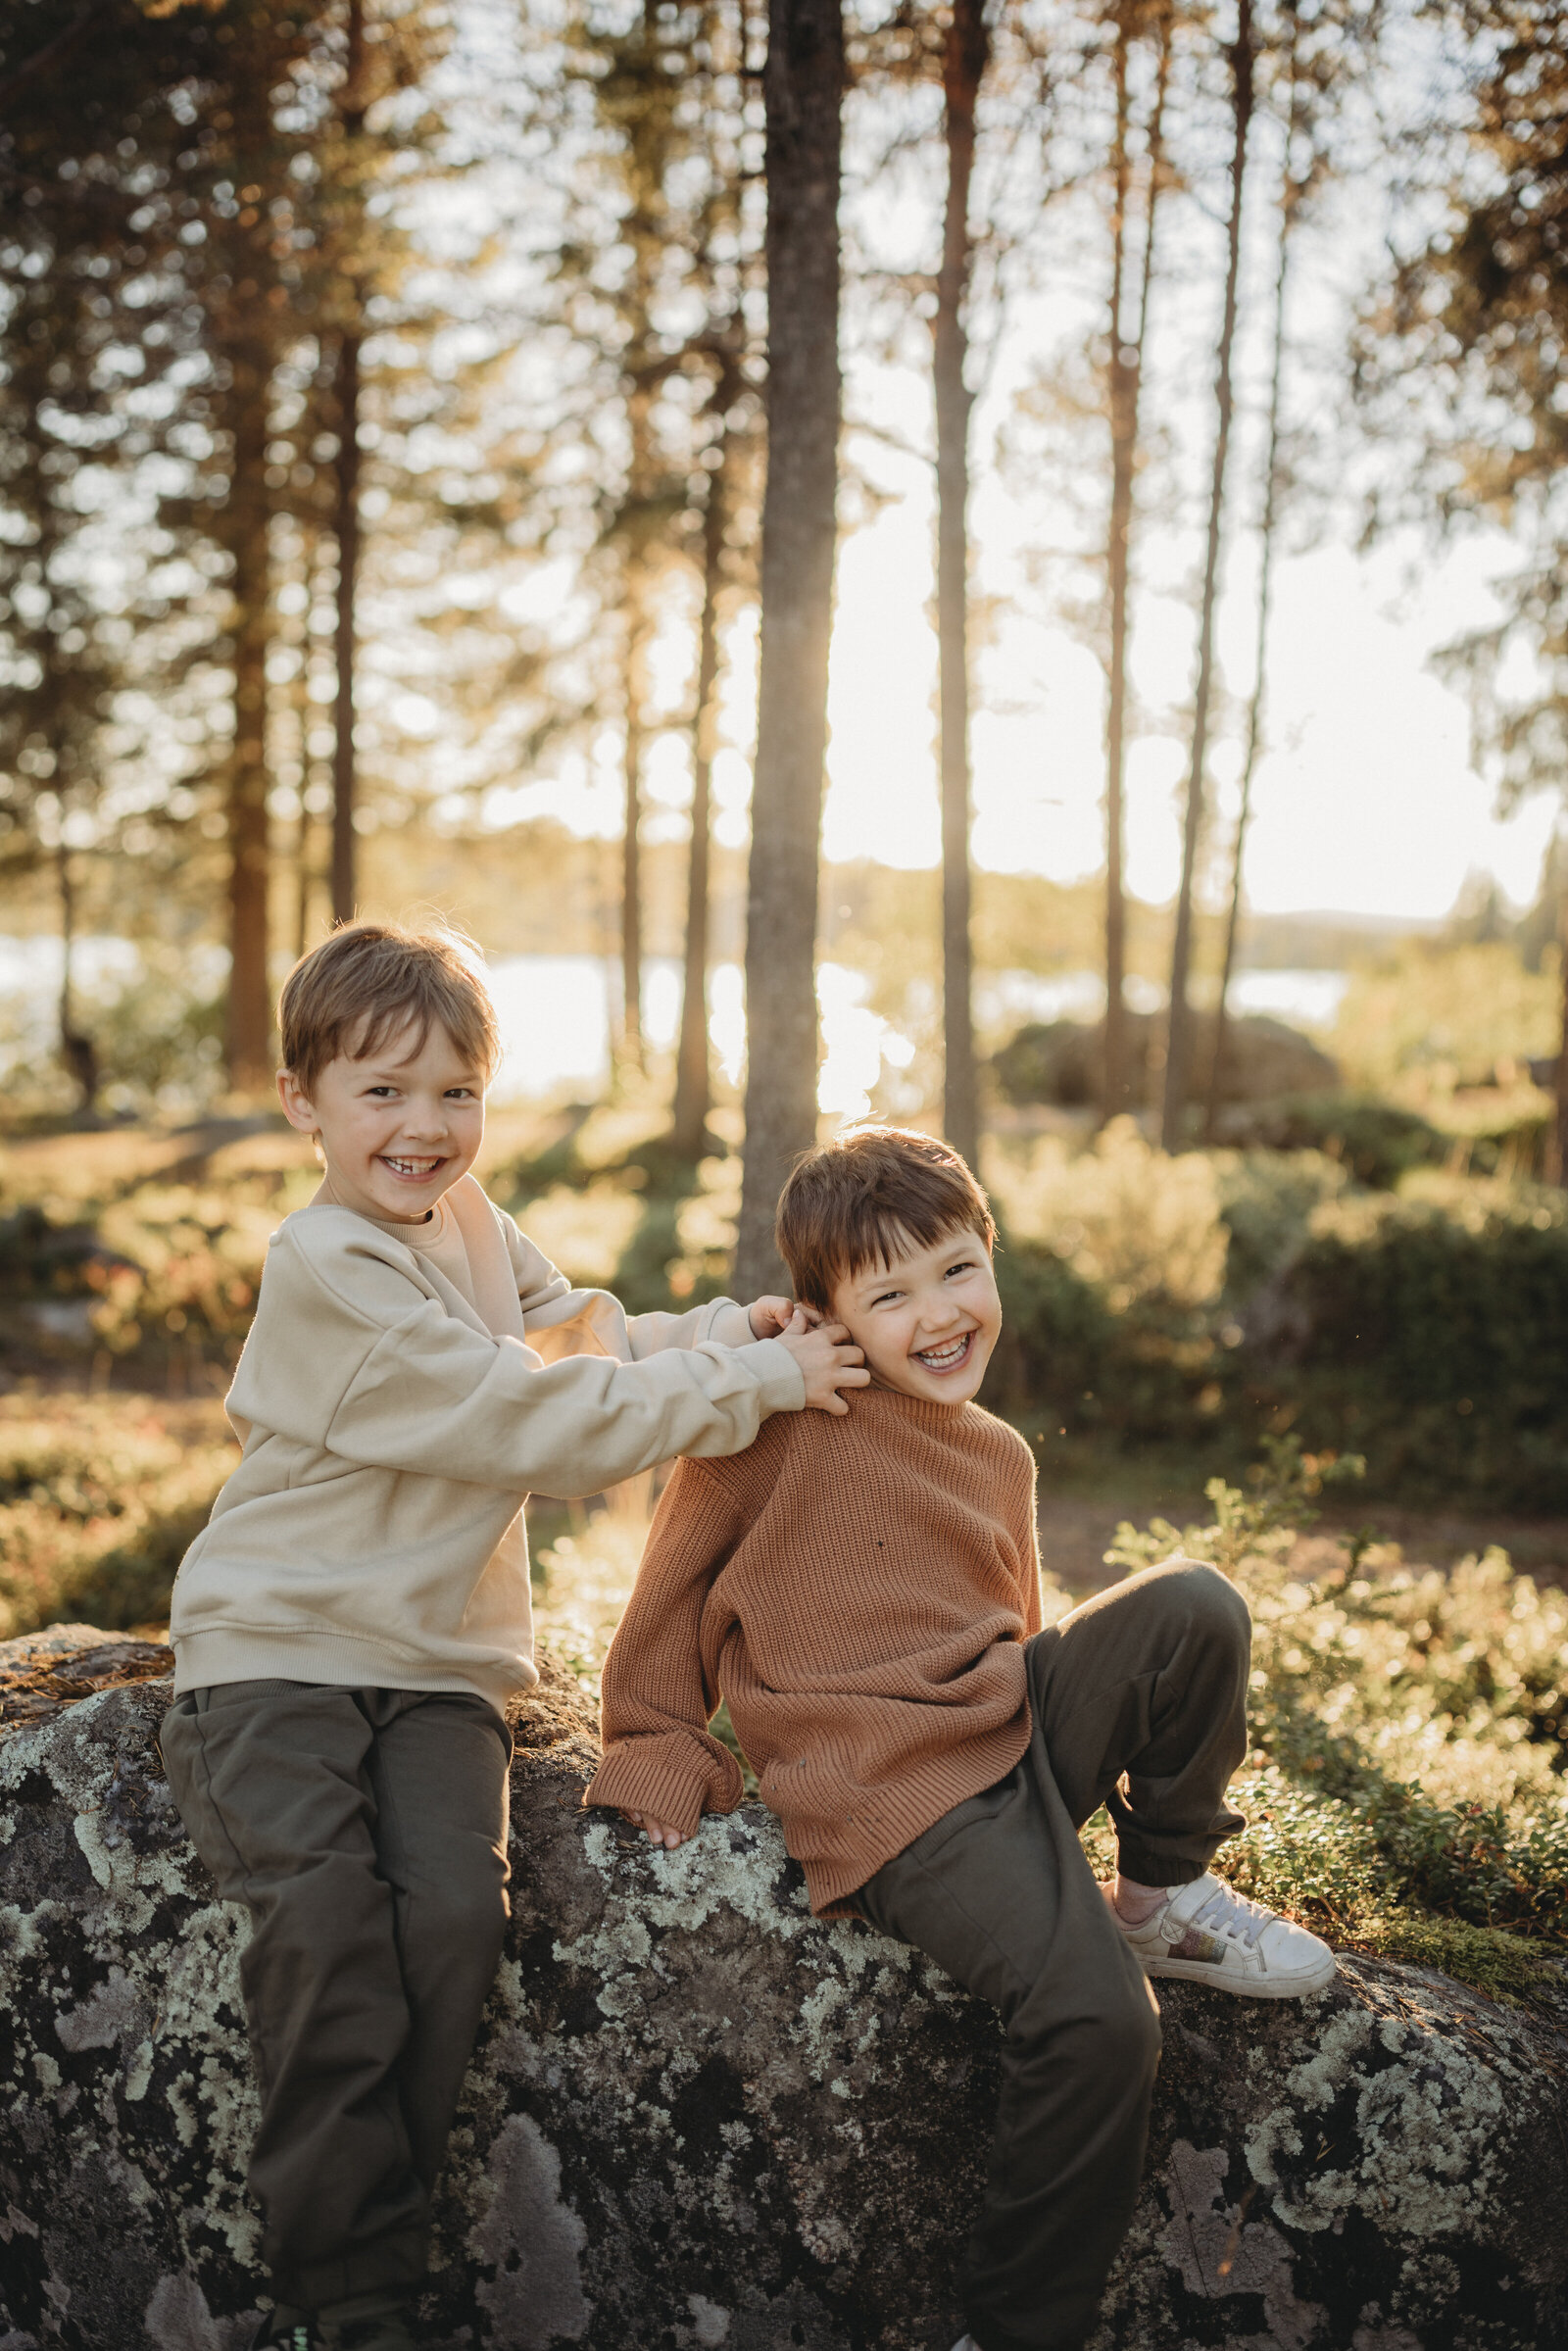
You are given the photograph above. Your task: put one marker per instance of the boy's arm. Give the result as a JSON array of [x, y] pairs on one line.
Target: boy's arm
[[561, 1321], [660, 1760], [355, 1357]]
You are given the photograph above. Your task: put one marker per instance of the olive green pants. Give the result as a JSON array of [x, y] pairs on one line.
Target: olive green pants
[[1139, 1704], [365, 1832]]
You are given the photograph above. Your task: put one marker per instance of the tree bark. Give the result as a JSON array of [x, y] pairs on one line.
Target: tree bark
[[1265, 588], [346, 522], [966, 53], [76, 1049], [632, 880], [693, 1082], [1125, 390], [803, 90], [243, 528], [1557, 1142], [347, 531], [1178, 1045]]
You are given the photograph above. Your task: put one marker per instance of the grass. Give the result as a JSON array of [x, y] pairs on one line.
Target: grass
[[99, 1498]]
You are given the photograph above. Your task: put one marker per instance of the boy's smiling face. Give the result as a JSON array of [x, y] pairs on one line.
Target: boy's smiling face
[[398, 1127], [928, 1322]]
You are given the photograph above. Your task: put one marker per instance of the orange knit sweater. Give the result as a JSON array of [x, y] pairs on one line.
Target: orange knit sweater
[[858, 1590]]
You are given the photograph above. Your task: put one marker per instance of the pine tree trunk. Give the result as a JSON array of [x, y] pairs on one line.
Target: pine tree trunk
[[803, 89], [631, 877], [76, 1049], [243, 527], [1125, 389], [693, 1081], [1557, 1140], [346, 520], [964, 56], [1265, 588], [347, 528], [1178, 1043]]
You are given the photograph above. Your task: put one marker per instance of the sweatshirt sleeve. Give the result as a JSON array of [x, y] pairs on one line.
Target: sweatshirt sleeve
[[661, 1758], [561, 1321], [398, 1383]]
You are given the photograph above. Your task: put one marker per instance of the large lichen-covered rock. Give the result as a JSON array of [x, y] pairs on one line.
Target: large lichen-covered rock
[[699, 2118]]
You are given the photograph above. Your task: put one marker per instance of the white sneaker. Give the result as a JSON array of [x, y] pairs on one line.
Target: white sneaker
[[1210, 1934]]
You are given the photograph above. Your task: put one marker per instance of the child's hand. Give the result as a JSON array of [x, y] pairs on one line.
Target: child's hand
[[828, 1361], [769, 1318], [658, 1834]]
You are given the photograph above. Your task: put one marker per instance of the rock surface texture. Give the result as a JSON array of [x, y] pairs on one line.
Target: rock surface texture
[[698, 2118]]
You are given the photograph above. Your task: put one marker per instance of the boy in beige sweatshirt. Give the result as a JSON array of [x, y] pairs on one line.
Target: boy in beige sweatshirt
[[354, 1619], [865, 1595]]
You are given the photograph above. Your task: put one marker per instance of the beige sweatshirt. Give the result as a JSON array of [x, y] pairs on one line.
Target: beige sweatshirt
[[393, 1417]]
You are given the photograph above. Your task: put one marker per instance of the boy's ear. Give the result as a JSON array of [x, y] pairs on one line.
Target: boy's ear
[[298, 1107]]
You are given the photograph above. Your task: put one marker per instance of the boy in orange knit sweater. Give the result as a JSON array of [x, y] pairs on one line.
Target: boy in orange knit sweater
[[865, 1592]]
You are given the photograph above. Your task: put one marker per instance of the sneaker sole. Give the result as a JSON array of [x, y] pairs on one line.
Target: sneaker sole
[[1199, 1971]]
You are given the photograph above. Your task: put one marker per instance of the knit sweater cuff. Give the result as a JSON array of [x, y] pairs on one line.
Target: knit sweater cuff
[[672, 1777]]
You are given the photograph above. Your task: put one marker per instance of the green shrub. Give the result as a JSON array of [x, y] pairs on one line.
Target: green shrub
[[1433, 1336], [1405, 1788], [1266, 1203], [157, 1031], [1434, 1016], [1374, 1141]]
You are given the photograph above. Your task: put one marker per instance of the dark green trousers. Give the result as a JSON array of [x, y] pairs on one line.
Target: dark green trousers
[[1139, 1704], [366, 1832]]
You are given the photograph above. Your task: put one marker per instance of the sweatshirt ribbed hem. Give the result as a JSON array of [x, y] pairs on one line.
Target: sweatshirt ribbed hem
[[902, 1810], [203, 1660]]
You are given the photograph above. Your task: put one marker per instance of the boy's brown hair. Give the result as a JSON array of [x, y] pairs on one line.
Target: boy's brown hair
[[868, 1196], [361, 987]]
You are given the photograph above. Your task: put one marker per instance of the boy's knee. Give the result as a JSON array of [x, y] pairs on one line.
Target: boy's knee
[[465, 1913], [1126, 2029], [1205, 1599], [1114, 2034]]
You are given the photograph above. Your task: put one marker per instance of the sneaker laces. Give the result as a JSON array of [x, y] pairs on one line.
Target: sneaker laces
[[1227, 1912]]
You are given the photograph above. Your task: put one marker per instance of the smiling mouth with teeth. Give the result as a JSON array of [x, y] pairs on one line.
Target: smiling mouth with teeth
[[948, 1356], [411, 1168]]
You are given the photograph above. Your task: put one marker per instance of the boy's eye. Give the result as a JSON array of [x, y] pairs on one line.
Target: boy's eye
[[964, 1265], [888, 1298]]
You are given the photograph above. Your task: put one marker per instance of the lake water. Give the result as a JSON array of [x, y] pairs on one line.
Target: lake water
[[556, 1012]]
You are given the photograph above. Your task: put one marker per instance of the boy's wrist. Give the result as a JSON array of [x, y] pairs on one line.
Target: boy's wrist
[[777, 1374]]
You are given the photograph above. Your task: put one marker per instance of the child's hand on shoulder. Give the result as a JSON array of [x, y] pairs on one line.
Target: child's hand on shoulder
[[828, 1359]]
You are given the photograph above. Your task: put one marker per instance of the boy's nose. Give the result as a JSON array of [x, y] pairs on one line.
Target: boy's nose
[[946, 1316]]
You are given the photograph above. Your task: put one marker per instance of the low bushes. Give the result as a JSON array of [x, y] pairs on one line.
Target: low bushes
[[1407, 1787], [1375, 1142], [1433, 1334], [1211, 1298]]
